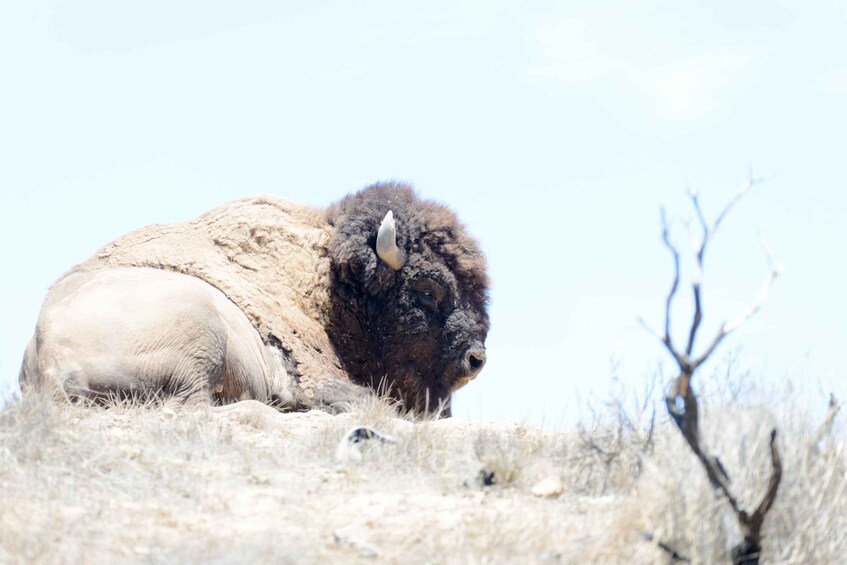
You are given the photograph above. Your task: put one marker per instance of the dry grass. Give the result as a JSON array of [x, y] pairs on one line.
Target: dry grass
[[165, 484]]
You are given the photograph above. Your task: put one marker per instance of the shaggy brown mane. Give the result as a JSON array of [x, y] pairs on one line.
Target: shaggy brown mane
[[416, 352]]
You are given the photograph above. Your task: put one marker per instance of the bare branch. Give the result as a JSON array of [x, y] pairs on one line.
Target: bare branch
[[745, 315], [755, 306], [688, 423], [748, 312], [758, 515], [666, 337], [698, 315], [749, 550], [745, 188], [698, 273], [672, 292], [826, 427], [675, 555], [708, 234], [648, 443], [681, 400], [684, 360], [695, 200], [653, 331]]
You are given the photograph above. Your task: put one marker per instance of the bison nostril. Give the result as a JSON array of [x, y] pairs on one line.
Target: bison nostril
[[476, 359]]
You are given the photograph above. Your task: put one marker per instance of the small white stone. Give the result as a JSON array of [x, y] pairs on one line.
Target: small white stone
[[549, 487]]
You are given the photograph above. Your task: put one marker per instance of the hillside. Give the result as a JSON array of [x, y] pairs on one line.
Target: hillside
[[244, 483]]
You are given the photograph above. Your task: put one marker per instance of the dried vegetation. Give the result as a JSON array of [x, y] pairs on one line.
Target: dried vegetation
[[243, 483]]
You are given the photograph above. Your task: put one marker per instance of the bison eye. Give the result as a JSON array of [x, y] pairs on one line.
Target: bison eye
[[429, 293], [427, 300]]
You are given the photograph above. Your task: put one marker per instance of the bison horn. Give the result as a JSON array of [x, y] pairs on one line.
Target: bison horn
[[386, 243]]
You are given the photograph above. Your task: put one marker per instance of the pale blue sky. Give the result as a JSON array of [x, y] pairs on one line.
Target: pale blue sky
[[555, 129]]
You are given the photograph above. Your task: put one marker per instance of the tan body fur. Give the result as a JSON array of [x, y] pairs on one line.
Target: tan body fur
[[193, 308]]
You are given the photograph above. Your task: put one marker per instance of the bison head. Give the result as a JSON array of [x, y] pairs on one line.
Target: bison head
[[408, 295]]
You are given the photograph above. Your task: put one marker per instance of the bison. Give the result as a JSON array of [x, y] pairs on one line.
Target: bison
[[263, 299]]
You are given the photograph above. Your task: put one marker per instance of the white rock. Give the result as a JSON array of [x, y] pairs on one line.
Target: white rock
[[549, 487]]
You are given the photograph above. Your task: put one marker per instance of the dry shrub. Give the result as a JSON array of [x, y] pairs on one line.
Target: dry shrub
[[613, 437], [807, 523]]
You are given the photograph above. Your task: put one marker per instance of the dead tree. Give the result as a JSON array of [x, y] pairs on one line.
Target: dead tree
[[681, 399]]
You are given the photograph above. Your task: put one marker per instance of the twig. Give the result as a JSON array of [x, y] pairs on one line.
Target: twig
[[667, 548]]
